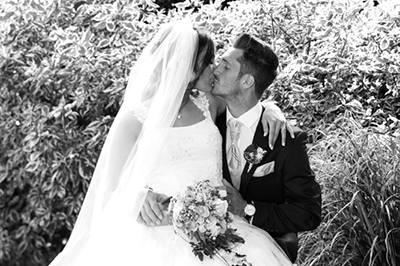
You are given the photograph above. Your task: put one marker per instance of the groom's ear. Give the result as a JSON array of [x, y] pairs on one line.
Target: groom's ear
[[247, 81]]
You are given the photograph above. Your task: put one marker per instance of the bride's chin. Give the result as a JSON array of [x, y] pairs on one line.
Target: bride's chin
[[206, 89]]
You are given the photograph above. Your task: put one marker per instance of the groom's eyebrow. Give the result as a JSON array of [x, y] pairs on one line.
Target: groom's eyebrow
[[226, 61]]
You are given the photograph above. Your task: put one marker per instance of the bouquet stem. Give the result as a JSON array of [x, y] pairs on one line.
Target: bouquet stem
[[221, 258]]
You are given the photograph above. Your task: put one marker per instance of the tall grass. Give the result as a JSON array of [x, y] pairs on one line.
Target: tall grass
[[359, 171]]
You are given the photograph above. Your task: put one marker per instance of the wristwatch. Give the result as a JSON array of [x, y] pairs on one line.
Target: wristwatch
[[249, 210]]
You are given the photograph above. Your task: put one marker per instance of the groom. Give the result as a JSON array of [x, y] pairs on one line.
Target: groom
[[275, 188]]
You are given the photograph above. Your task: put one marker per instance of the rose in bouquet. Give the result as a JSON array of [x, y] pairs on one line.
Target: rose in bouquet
[[200, 215]]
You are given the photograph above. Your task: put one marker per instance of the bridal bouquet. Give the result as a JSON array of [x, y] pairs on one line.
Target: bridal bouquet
[[200, 215]]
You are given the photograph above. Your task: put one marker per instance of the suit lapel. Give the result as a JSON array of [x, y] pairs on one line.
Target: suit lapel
[[263, 143]]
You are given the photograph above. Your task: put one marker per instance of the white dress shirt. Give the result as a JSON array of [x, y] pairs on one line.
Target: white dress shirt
[[249, 122]]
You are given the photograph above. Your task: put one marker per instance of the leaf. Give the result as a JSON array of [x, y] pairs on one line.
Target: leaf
[[217, 3], [3, 177], [182, 5], [129, 43], [7, 16], [103, 63], [384, 43], [82, 169], [20, 232], [100, 17], [216, 25], [306, 67], [31, 167], [128, 26], [333, 109], [34, 156], [86, 36], [81, 49], [103, 43], [152, 3], [61, 192], [22, 246], [41, 211], [297, 88], [394, 69], [100, 25], [14, 216], [39, 242], [198, 17], [36, 5], [33, 14], [52, 193], [38, 256], [224, 20], [32, 143], [110, 26], [354, 103], [321, 70], [30, 136]]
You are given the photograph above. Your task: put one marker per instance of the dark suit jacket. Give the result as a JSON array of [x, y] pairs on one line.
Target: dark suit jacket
[[287, 200]]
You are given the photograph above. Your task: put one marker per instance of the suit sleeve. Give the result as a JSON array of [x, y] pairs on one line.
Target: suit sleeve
[[301, 210]]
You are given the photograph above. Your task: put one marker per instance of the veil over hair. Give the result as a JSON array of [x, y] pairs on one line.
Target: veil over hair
[[153, 96]]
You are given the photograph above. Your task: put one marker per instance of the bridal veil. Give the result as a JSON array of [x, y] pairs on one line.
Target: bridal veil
[[154, 93]]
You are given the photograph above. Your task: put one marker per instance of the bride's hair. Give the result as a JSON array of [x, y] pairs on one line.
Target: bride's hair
[[204, 57]]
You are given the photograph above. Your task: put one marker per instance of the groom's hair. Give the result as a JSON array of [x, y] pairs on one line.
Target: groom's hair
[[257, 60]]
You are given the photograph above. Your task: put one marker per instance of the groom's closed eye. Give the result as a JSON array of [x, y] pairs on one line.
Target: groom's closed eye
[[225, 63]]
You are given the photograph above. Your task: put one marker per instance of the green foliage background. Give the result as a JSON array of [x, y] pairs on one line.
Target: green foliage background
[[64, 66]]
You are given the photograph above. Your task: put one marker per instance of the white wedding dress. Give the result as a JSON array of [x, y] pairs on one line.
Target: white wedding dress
[[190, 154]]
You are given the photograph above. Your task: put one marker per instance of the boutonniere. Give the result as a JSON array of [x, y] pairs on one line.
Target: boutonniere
[[254, 155]]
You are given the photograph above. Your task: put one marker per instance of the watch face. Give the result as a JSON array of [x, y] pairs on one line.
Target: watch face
[[249, 210]]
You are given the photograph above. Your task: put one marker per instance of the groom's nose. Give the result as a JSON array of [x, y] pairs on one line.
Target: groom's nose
[[216, 71]]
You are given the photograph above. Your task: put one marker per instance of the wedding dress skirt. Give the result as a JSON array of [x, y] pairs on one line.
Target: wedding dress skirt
[[190, 154], [135, 244]]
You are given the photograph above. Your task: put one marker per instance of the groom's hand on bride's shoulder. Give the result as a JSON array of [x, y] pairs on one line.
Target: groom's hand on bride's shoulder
[[152, 213]]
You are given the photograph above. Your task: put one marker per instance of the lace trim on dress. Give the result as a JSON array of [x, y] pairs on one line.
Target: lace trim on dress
[[140, 112], [201, 101]]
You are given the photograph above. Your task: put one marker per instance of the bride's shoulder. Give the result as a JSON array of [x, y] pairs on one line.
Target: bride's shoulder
[[139, 112], [130, 124]]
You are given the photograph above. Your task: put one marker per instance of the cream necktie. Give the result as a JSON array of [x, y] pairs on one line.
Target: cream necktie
[[234, 154]]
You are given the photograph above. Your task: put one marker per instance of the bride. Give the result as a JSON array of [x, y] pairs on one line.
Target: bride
[[162, 140]]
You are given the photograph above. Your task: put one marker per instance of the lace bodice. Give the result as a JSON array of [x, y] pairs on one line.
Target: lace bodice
[[190, 154]]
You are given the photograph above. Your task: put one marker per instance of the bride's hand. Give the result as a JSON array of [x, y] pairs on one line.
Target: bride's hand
[[152, 213], [273, 122], [166, 220]]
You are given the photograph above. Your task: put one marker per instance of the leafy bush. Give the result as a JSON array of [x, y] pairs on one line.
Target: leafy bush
[[63, 70], [336, 56], [64, 65], [360, 173]]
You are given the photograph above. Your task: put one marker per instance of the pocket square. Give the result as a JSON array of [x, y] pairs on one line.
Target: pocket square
[[264, 169]]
